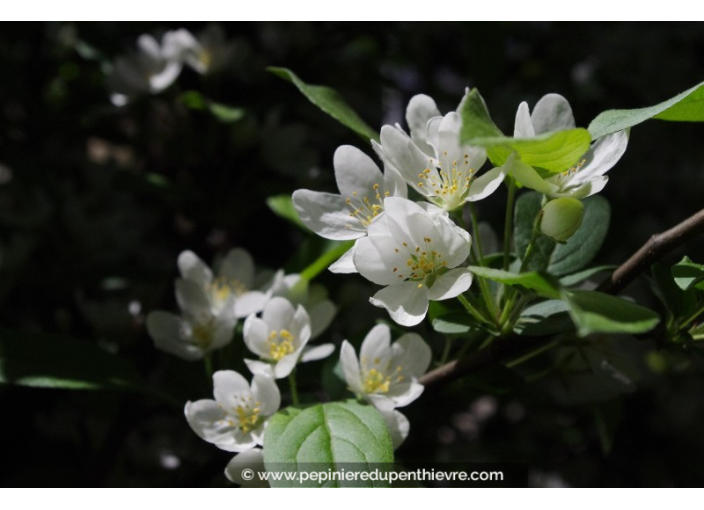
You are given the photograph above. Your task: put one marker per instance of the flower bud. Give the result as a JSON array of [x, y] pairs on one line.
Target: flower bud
[[561, 218]]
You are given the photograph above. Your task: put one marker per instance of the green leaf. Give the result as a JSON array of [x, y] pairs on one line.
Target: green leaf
[[685, 107], [687, 274], [52, 361], [555, 151], [330, 102], [224, 113], [454, 323], [582, 247], [596, 312], [580, 276], [543, 284], [526, 210], [282, 206], [697, 332], [546, 318], [327, 437]]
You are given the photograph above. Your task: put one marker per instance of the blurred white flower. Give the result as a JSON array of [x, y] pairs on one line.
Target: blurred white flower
[[252, 460], [236, 419], [413, 253], [207, 53], [233, 285], [147, 71], [387, 375], [347, 216]]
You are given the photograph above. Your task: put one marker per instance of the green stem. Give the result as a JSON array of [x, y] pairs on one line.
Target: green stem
[[532, 354], [208, 363], [324, 261], [446, 351], [692, 317], [475, 230], [508, 226], [294, 389], [472, 311]]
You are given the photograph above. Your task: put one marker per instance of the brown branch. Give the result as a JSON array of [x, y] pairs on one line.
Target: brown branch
[[657, 246], [505, 348]]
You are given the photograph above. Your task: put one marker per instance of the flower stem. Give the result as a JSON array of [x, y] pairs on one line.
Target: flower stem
[[692, 317], [446, 351], [294, 389], [508, 226], [472, 311], [475, 231], [208, 363]]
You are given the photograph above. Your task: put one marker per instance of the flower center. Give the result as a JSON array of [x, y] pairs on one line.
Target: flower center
[[379, 379], [422, 264], [365, 210], [448, 184], [246, 414], [280, 344], [202, 333], [222, 288], [570, 171]]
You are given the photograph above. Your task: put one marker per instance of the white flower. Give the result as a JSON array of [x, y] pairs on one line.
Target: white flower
[[232, 287], [312, 297], [553, 113], [148, 71], [347, 216], [207, 53], [193, 335], [413, 253], [398, 426], [236, 419], [278, 337], [254, 461], [386, 375], [433, 161]]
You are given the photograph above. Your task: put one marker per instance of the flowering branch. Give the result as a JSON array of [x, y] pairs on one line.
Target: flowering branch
[[503, 348]]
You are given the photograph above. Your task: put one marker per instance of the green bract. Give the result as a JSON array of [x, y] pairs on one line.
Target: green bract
[[561, 218]]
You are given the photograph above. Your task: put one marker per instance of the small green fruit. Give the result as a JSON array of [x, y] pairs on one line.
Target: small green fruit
[[561, 218]]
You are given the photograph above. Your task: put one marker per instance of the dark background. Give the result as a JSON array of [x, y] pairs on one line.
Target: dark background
[[101, 200]]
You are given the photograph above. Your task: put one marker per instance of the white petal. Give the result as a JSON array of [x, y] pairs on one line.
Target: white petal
[[327, 215], [451, 241], [523, 127], [376, 258], [225, 324], [166, 77], [166, 329], [249, 303], [260, 367], [238, 265], [404, 156], [420, 110], [604, 154], [256, 335], [300, 327], [552, 113], [345, 264], [406, 304], [253, 460], [407, 221], [321, 315], [265, 391], [376, 345], [194, 269], [412, 354], [450, 152], [285, 365], [411, 393], [356, 173], [209, 421], [394, 184], [485, 185], [227, 385], [383, 403], [149, 46], [278, 314], [398, 426], [350, 367], [450, 284], [317, 352], [192, 298]]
